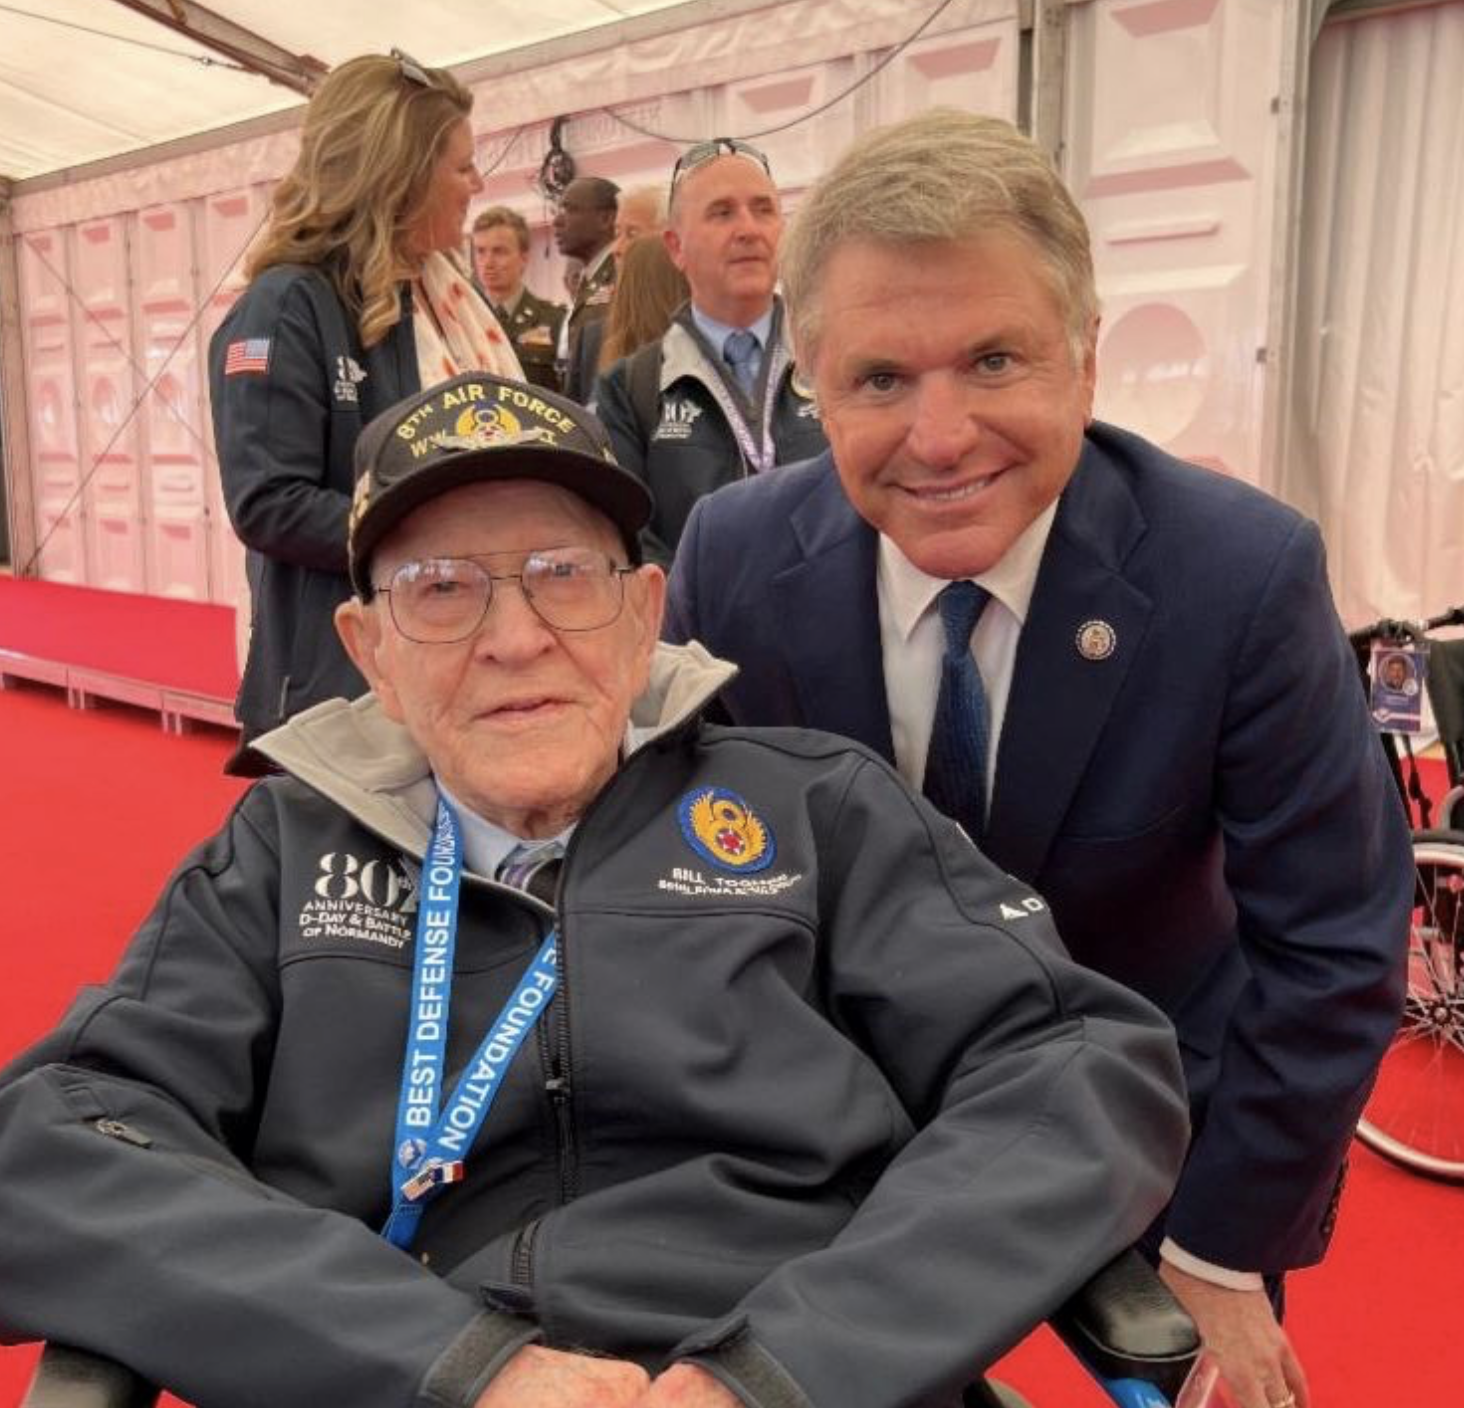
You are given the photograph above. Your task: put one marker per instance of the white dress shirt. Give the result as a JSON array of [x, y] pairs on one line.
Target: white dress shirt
[[485, 844], [913, 641]]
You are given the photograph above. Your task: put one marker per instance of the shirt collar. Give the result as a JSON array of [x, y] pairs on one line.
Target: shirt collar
[[592, 266], [909, 592], [716, 333], [485, 844]]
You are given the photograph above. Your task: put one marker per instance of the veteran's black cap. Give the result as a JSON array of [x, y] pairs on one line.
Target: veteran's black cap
[[478, 427]]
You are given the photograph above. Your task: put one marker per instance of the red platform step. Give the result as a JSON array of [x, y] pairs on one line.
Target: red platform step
[[176, 657]]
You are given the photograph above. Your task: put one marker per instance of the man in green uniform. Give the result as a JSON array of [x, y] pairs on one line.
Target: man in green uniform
[[500, 256]]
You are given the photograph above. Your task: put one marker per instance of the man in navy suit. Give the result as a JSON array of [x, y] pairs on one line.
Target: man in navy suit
[[1173, 746]]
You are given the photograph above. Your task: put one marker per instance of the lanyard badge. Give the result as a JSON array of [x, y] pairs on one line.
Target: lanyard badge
[[1398, 669], [432, 1142]]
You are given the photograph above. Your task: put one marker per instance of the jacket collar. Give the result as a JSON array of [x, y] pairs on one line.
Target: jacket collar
[[686, 353], [350, 752]]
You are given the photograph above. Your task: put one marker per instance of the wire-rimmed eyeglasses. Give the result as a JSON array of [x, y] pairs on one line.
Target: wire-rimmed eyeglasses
[[440, 600], [704, 152]]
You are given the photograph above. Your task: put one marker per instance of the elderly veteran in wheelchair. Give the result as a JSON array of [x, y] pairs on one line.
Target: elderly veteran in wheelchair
[[532, 1041]]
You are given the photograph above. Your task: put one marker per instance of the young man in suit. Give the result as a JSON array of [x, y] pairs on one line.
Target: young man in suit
[[1124, 675]]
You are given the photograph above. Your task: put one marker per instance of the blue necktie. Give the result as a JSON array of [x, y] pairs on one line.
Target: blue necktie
[[955, 767], [533, 866], [740, 353]]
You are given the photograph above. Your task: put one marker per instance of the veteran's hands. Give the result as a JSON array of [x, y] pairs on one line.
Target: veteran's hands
[[536, 1377], [687, 1386], [1257, 1365]]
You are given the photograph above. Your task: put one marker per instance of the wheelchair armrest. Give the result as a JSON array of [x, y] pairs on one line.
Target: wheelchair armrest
[[76, 1378], [1124, 1323]]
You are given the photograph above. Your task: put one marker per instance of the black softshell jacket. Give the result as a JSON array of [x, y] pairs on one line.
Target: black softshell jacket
[[691, 449], [840, 1126], [285, 437]]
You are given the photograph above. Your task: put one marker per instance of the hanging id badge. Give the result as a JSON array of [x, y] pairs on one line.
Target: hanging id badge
[[432, 1145], [1399, 669]]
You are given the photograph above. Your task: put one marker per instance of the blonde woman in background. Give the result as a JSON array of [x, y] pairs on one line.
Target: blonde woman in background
[[649, 289], [354, 300]]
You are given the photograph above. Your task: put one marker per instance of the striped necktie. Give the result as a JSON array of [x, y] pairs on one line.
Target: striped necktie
[[955, 767], [533, 866]]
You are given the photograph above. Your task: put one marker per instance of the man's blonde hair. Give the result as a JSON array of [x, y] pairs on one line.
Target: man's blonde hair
[[501, 215], [942, 176], [372, 135]]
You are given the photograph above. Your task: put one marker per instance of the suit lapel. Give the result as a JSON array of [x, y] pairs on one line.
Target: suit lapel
[[827, 607], [1061, 699]]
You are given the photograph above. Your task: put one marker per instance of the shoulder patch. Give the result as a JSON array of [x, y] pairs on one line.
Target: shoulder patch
[[249, 355], [724, 831]]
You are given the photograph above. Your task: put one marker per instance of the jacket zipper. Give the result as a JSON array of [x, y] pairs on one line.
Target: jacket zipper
[[115, 1129], [556, 1048], [521, 1262], [555, 1055], [556, 1051], [554, 1059]]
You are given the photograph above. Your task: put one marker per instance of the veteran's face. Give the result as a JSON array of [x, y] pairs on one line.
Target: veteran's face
[[521, 723], [948, 388]]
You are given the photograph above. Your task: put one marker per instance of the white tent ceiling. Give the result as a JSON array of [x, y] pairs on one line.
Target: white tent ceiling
[[82, 80]]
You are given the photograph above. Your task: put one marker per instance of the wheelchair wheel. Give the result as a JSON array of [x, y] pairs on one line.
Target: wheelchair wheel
[[1415, 1115]]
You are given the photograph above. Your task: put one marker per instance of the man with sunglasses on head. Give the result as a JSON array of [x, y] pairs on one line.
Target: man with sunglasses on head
[[716, 398], [532, 1043]]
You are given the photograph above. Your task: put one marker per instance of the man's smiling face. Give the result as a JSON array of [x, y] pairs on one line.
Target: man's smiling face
[[948, 387]]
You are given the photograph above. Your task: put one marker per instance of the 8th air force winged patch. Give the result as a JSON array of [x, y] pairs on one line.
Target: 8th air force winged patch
[[722, 829]]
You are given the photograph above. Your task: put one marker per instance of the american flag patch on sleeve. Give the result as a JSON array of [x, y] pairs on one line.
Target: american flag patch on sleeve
[[249, 354]]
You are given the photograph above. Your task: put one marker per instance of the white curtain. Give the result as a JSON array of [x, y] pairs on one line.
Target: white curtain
[[1376, 442]]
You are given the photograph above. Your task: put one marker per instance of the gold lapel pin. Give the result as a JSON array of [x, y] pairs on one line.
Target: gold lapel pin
[[1096, 640]]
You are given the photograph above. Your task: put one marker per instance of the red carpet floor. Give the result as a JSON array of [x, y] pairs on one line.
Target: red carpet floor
[[101, 806], [185, 645]]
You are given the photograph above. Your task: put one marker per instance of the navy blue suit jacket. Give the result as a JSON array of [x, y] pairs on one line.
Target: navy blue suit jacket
[[1207, 810]]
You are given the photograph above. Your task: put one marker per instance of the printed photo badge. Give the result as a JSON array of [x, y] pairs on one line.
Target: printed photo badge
[[1398, 670]]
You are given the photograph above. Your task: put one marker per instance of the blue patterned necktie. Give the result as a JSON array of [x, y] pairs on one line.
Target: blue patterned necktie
[[740, 353], [955, 767], [533, 866]]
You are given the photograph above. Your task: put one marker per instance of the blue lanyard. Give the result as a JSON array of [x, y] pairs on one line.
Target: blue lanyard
[[431, 1147]]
